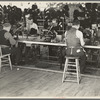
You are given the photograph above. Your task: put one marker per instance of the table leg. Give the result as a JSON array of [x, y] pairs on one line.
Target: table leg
[[61, 55], [98, 58]]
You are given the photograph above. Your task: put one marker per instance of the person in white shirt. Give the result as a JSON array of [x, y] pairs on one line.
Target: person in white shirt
[[74, 44], [32, 27], [78, 35]]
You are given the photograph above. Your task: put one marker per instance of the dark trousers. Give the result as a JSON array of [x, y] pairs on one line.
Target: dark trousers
[[15, 53], [78, 52]]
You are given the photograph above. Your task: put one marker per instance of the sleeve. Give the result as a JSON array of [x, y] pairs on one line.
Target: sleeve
[[65, 34], [66, 38], [9, 37], [80, 36], [36, 27]]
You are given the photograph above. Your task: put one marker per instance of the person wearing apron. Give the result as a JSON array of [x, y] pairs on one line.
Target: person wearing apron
[[75, 42]]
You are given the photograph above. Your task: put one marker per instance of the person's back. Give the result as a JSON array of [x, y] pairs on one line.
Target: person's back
[[74, 41], [3, 40]]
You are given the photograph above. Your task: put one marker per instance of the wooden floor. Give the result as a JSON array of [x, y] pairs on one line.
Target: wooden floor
[[33, 83]]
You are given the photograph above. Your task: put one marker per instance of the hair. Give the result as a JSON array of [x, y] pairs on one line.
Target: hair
[[30, 18], [76, 22]]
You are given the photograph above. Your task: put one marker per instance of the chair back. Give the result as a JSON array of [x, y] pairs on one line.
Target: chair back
[[1, 48]]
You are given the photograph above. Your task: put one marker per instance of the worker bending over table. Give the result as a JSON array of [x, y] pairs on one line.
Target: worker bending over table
[[32, 27], [53, 29], [75, 42], [32, 31], [10, 44]]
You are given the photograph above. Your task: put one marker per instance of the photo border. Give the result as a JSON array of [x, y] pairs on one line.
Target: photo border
[[57, 98]]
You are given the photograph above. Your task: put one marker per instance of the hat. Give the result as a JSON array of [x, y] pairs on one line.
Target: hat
[[6, 24]]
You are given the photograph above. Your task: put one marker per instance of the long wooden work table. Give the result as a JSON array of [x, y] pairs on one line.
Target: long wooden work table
[[29, 42], [54, 44]]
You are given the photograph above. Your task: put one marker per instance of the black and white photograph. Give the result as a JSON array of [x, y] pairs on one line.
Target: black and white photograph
[[49, 49]]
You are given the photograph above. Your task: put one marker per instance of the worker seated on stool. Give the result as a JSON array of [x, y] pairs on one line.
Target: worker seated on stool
[[74, 41], [11, 44]]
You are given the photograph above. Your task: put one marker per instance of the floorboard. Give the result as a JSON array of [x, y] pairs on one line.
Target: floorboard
[[25, 82]]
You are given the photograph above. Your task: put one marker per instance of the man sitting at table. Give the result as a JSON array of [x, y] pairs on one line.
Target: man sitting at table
[[11, 45], [74, 41], [32, 27]]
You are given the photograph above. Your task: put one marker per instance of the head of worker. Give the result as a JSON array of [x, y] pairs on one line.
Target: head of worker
[[30, 20], [76, 24]]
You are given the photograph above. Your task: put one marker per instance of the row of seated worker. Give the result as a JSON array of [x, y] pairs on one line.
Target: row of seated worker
[[70, 39], [12, 46], [52, 34], [28, 27]]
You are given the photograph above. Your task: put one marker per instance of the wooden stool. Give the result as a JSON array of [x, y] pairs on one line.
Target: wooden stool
[[71, 70]]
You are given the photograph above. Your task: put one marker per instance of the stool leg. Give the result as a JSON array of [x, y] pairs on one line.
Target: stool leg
[[65, 69], [77, 70], [10, 62]]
